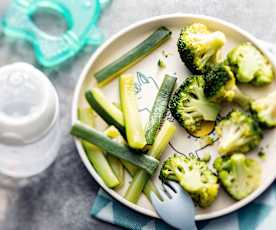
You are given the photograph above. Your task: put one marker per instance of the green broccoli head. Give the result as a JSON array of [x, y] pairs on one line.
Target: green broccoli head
[[240, 176], [221, 85], [194, 176], [198, 47], [190, 107], [264, 110], [238, 131], [250, 65]]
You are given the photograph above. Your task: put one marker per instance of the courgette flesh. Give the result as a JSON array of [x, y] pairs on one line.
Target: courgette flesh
[[117, 168], [114, 162], [123, 63], [205, 129], [134, 129]]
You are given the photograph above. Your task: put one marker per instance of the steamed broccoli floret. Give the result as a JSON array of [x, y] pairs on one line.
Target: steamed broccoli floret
[[238, 131], [190, 107], [264, 110], [240, 176], [194, 176], [250, 65], [198, 47], [221, 85]]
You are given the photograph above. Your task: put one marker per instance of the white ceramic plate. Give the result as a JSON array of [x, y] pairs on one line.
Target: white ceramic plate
[[148, 76]]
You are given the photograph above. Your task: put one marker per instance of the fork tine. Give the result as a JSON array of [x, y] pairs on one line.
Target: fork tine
[[169, 190], [156, 202], [163, 195], [177, 188]]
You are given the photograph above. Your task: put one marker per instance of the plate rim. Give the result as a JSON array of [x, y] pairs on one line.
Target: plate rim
[[85, 72]]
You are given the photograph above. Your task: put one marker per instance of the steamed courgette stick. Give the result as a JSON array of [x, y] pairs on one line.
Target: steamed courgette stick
[[136, 54], [121, 151], [136, 187], [141, 177], [159, 108], [114, 162], [95, 155], [134, 129], [129, 167], [109, 112], [113, 133], [117, 168], [149, 186]]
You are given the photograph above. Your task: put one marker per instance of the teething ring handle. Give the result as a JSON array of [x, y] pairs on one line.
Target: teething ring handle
[[95, 36]]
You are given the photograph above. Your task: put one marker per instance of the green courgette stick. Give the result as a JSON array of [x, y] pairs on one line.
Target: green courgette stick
[[113, 133], [114, 162], [129, 167], [95, 155], [117, 168], [141, 177], [121, 151], [159, 108], [134, 128], [109, 112], [149, 186], [130, 58]]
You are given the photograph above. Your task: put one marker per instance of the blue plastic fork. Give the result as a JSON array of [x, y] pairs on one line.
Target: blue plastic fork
[[177, 208]]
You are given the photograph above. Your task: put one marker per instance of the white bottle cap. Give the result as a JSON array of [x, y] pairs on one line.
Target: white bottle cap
[[28, 104]]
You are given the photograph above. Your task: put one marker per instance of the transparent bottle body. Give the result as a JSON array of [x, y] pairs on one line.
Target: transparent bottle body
[[27, 160]]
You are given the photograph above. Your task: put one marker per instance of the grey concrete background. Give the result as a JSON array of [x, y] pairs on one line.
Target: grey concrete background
[[61, 197]]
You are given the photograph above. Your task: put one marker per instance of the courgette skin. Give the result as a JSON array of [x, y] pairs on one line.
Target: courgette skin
[[159, 108], [107, 111], [116, 149], [133, 56], [134, 129]]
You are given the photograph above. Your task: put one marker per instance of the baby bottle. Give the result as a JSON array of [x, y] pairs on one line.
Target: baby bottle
[[29, 121]]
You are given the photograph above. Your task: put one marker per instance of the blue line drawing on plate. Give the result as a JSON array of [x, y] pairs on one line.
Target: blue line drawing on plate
[[145, 86]]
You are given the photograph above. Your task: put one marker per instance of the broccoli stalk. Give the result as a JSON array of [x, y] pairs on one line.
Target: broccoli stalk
[[194, 176], [190, 107], [237, 96], [238, 131], [250, 65], [240, 176], [265, 110], [198, 47], [221, 85]]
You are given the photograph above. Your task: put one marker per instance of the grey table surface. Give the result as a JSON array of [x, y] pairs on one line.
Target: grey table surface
[[61, 197]]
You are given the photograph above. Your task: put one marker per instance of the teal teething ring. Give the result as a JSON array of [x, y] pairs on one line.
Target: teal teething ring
[[81, 18]]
